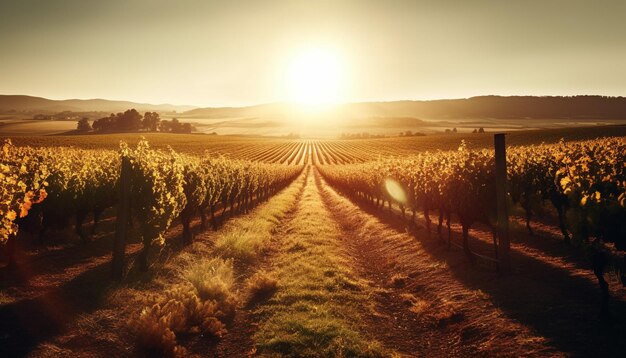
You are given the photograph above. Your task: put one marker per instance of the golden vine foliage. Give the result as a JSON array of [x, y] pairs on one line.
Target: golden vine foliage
[[22, 184], [165, 184], [590, 175], [157, 192]]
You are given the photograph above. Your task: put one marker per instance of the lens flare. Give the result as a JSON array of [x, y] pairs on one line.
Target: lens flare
[[395, 190]]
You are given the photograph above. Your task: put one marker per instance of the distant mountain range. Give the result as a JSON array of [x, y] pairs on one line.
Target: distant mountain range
[[29, 104], [482, 107]]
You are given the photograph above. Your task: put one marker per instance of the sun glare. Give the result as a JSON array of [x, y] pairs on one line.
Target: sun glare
[[395, 190], [314, 78]]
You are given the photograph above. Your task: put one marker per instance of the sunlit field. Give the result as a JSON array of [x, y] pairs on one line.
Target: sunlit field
[[247, 147], [312, 179], [266, 245]]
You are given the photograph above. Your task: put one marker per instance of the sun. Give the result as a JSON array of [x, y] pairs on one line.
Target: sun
[[315, 77]]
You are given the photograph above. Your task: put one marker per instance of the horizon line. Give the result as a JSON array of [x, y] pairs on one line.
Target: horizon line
[[284, 102]]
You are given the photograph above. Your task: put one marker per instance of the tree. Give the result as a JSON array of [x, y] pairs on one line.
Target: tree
[[83, 125], [174, 126], [151, 121], [408, 133], [454, 130], [481, 130], [475, 130], [104, 124], [186, 128], [129, 120], [168, 126]]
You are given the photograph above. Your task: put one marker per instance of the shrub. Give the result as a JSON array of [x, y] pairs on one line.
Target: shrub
[[199, 307], [194, 315], [182, 312], [261, 286], [213, 280], [83, 125], [154, 338]]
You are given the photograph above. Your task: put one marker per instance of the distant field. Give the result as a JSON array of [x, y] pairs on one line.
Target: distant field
[[330, 151], [185, 143], [390, 126], [405, 145], [28, 127], [16, 125]]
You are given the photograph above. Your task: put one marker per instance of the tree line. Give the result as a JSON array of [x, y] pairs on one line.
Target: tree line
[[133, 121]]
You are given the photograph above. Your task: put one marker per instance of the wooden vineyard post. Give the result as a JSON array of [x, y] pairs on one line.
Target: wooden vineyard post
[[503, 215], [121, 222]]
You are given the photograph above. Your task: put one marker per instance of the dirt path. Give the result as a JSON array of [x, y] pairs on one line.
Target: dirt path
[[424, 310]]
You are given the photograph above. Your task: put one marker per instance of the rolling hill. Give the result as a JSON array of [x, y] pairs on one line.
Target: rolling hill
[[30, 104], [492, 107]]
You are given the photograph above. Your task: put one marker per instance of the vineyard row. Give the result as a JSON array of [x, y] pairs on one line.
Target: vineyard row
[[44, 188], [584, 181]]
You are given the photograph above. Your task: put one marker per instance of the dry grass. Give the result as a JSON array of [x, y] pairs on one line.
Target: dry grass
[[419, 306], [213, 279], [245, 240], [415, 304], [179, 311], [260, 287], [206, 299], [154, 337], [398, 280], [241, 244]]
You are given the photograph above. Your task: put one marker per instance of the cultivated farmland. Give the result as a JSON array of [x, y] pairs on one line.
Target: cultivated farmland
[[176, 245]]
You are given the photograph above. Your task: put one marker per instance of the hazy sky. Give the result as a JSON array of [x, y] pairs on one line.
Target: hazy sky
[[225, 53]]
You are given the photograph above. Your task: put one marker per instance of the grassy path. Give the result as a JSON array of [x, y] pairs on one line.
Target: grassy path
[[239, 341], [318, 307]]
